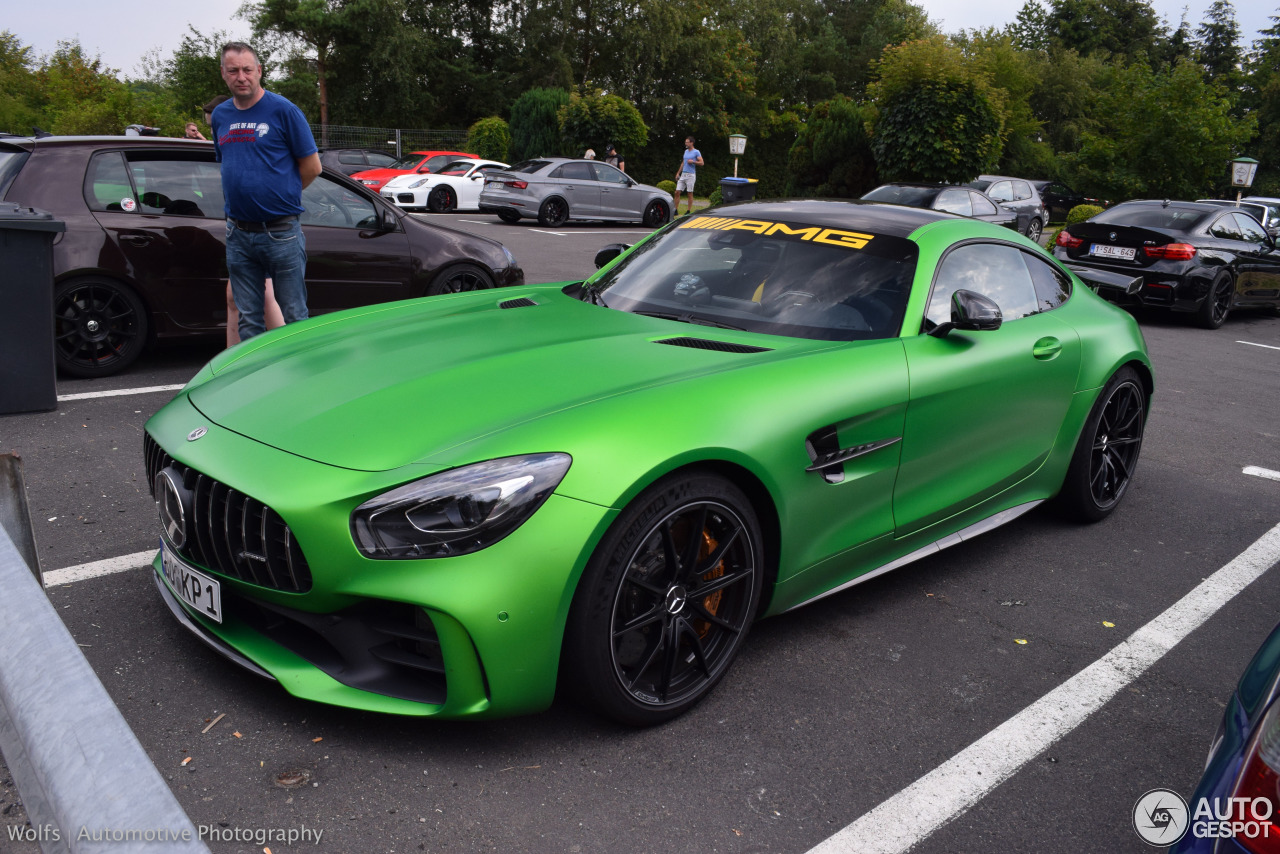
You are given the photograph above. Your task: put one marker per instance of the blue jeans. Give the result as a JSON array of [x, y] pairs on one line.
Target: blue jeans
[[252, 257]]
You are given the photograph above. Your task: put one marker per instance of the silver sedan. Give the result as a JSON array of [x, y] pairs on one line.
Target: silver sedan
[[555, 190]]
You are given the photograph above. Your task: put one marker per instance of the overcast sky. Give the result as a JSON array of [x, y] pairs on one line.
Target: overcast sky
[[122, 31]]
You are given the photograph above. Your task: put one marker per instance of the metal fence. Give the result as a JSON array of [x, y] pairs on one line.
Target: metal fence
[[392, 140]]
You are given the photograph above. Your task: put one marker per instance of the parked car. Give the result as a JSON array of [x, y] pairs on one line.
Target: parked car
[[1191, 256], [1059, 199], [348, 161], [1020, 195], [419, 163], [965, 201], [1244, 764], [455, 186], [634, 468], [1260, 212], [144, 254], [554, 190], [1271, 204]]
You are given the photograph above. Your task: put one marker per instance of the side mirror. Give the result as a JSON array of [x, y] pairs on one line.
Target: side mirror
[[608, 253], [387, 221], [422, 170], [970, 312]]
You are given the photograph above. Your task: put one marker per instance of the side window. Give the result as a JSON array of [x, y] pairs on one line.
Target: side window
[[1053, 288], [351, 157], [106, 184], [954, 201], [327, 203], [576, 171], [981, 205], [1021, 190], [378, 160], [993, 270], [607, 174], [1226, 228], [1250, 230], [1001, 191], [178, 187]]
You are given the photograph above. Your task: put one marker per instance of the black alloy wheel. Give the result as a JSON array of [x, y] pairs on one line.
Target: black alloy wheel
[[553, 213], [1217, 304], [99, 327], [459, 278], [1105, 457], [441, 200], [667, 600], [656, 214]]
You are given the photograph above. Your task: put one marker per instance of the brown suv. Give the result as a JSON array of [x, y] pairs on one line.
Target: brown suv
[[143, 256]]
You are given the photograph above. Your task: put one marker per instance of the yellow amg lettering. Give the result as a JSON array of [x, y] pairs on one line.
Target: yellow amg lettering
[[802, 233], [757, 225], [836, 237]]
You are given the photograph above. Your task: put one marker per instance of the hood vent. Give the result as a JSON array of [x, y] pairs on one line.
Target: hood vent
[[707, 344], [518, 302]]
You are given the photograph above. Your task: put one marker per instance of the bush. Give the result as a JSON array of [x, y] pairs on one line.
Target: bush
[[535, 130], [831, 156], [716, 197], [668, 187], [489, 138], [594, 120], [1077, 214]]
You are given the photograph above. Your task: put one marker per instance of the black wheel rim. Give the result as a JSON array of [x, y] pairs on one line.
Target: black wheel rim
[[683, 605], [1116, 444], [462, 280], [94, 326], [1221, 300], [654, 215], [556, 212]]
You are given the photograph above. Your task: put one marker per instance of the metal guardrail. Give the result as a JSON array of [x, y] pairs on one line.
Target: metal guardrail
[[86, 783]]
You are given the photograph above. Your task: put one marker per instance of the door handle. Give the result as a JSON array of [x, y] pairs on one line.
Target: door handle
[[136, 239], [1046, 348]]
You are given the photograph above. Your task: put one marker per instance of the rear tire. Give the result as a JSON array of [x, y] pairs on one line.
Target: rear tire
[[509, 217], [1217, 303], [553, 213], [1035, 230], [459, 278], [1107, 453], [99, 327]]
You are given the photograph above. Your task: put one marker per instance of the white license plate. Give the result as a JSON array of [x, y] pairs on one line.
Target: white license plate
[[1122, 252], [192, 586]]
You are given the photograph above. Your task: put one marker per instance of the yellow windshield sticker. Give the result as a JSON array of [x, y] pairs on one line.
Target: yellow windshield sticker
[[815, 234]]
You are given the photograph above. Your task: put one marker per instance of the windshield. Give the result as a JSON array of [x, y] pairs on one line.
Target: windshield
[[454, 167], [780, 278], [916, 197], [409, 161]]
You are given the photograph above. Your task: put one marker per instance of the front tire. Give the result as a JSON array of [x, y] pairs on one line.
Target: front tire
[[441, 200], [99, 327], [459, 278], [1217, 303], [656, 214], [1107, 453], [666, 601], [553, 213]]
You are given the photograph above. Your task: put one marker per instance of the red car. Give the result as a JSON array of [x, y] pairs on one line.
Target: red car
[[418, 161]]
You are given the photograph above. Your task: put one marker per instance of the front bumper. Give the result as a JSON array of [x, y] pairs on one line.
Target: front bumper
[[475, 635]]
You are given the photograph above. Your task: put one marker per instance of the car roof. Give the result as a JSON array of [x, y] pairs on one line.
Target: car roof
[[877, 217], [1178, 203]]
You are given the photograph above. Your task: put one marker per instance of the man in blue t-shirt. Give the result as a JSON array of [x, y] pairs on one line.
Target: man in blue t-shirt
[[268, 157], [687, 174]]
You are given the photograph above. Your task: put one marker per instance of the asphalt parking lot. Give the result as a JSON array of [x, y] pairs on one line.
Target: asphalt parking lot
[[831, 711]]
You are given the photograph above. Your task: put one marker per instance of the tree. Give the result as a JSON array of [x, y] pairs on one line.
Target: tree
[[832, 155], [19, 88], [932, 115], [535, 129], [1125, 28], [489, 138], [1218, 43], [1030, 28], [592, 120]]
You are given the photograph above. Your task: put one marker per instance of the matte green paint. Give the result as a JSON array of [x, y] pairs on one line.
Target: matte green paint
[[315, 418]]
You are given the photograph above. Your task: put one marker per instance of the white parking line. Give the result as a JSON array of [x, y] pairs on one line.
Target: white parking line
[[1260, 472], [912, 815], [1251, 344], [85, 571], [584, 233], [119, 392]]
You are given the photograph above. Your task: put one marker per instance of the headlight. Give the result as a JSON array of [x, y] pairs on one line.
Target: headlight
[[456, 512], [418, 183]]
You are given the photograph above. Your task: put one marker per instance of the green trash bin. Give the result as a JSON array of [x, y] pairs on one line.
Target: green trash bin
[[27, 381], [737, 189]]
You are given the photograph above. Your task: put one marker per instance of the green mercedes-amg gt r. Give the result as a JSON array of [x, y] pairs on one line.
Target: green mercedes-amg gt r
[[448, 506]]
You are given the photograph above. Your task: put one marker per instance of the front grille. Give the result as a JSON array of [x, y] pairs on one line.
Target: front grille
[[230, 532], [708, 344], [407, 198]]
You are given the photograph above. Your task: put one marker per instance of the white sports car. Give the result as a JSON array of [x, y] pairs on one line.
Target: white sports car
[[456, 186]]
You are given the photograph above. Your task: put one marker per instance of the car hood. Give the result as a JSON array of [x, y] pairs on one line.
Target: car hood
[[377, 388]]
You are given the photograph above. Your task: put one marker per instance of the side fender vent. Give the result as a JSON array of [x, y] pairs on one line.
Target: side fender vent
[[518, 302], [706, 344]]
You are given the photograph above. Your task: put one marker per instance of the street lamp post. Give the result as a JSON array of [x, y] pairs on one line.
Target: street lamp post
[[1242, 171], [737, 145]]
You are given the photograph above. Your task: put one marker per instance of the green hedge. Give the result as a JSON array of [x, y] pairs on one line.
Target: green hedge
[[1077, 214]]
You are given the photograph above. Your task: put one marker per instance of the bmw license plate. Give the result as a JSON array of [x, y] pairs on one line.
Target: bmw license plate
[[192, 586], [1124, 253]]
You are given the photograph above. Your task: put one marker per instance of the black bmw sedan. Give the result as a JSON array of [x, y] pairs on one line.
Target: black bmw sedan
[[1191, 257]]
